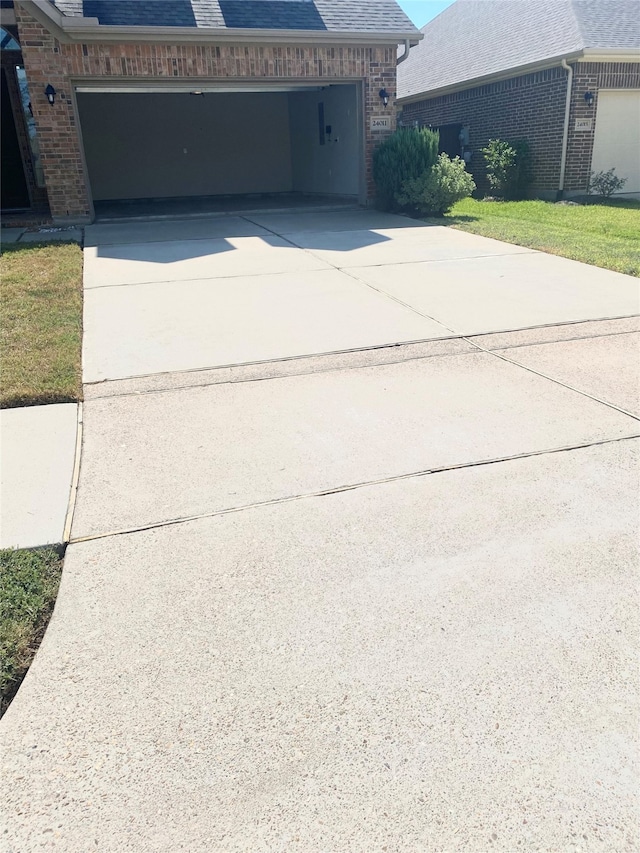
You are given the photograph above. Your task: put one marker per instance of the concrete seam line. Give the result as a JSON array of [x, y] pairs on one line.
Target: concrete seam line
[[352, 275], [346, 271], [453, 337], [209, 278], [439, 260], [351, 487], [567, 340], [280, 376], [310, 252], [496, 354], [75, 476], [398, 300], [284, 359], [558, 325]]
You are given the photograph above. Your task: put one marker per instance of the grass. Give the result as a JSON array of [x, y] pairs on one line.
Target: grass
[[28, 587], [40, 324], [605, 235]]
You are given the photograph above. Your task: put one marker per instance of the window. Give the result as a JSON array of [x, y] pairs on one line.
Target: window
[[31, 125], [7, 41]]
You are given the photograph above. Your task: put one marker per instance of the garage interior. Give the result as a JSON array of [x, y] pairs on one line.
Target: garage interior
[[205, 150]]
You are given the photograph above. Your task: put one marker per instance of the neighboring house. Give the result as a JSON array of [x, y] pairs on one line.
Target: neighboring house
[[185, 98], [563, 75]]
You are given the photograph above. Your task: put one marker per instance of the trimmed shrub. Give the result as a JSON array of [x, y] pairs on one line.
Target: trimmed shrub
[[508, 168], [605, 183], [404, 155], [436, 191]]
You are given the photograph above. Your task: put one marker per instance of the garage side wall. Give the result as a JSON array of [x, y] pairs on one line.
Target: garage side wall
[[65, 65], [331, 168]]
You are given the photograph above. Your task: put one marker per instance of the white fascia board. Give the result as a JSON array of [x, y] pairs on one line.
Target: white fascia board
[[615, 54]]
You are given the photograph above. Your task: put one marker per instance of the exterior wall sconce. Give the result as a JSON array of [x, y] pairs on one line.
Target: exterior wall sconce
[[588, 98], [384, 95], [50, 92]]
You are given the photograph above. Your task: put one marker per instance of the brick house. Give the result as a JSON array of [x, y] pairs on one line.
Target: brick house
[[110, 100], [563, 75]]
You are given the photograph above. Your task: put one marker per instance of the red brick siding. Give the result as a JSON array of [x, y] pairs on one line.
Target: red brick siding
[[48, 61], [529, 107]]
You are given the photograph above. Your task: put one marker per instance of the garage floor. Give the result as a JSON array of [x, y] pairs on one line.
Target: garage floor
[[197, 206], [354, 558]]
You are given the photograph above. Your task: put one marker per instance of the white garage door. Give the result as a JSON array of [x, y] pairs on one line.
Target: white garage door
[[617, 138]]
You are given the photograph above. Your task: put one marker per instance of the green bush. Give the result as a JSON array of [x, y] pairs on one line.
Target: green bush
[[436, 191], [403, 155], [508, 168], [605, 183]]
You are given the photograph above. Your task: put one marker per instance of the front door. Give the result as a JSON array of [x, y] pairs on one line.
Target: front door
[[14, 185]]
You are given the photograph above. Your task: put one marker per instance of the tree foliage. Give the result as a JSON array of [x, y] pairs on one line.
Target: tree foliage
[[508, 167], [404, 155]]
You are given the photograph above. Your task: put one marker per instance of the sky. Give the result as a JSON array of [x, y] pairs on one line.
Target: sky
[[421, 11]]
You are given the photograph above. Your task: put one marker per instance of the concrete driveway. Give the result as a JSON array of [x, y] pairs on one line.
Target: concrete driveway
[[354, 557]]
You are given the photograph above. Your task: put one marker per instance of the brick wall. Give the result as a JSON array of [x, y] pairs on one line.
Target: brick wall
[[591, 77], [531, 107], [528, 107], [48, 61]]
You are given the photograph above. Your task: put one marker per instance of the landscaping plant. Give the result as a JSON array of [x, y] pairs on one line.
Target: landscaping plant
[[605, 184], [436, 191], [508, 168], [406, 154]]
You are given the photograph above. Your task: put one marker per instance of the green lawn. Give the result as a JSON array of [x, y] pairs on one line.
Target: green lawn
[[40, 324], [28, 587], [605, 235]]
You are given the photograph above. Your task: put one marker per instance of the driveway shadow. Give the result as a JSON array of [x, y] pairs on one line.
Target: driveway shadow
[[171, 251]]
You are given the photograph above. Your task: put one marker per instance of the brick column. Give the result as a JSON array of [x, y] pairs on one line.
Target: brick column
[[382, 75], [580, 142], [60, 147]]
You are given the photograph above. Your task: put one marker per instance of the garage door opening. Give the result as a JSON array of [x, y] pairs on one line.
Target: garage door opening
[[164, 152], [617, 138]]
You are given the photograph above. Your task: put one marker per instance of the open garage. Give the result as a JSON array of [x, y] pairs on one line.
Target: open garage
[[212, 143], [198, 105]]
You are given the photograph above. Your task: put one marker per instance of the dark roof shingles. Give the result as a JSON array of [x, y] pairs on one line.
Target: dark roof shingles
[[477, 38], [271, 14], [141, 13], [372, 16]]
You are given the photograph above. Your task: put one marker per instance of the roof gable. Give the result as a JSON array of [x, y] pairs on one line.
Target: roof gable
[[473, 39], [608, 24]]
